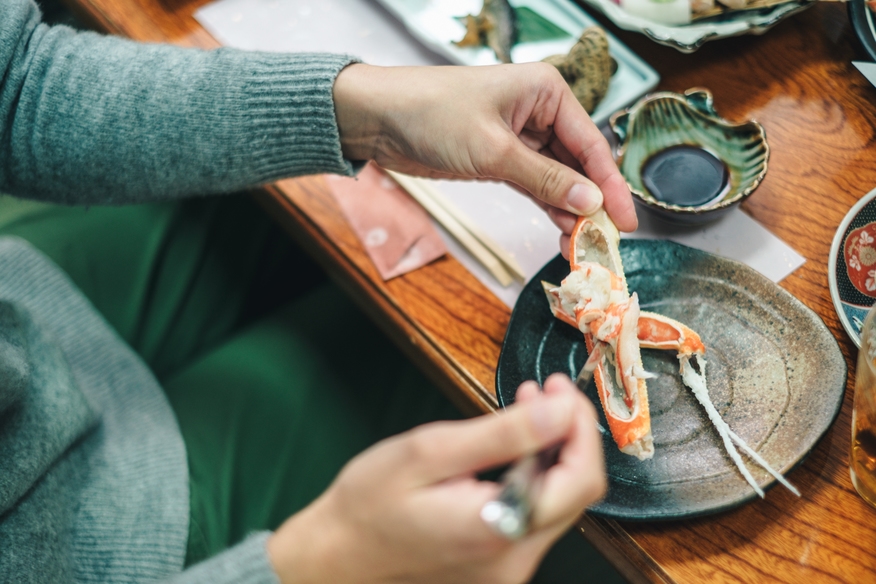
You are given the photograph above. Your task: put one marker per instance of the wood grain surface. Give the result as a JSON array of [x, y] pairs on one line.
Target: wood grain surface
[[819, 113]]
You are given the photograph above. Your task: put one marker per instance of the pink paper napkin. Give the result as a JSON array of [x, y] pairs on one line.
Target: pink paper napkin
[[396, 232]]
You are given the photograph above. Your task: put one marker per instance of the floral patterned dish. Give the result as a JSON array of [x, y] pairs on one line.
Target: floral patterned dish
[[852, 267]]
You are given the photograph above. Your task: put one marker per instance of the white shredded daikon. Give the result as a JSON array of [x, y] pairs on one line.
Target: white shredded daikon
[[696, 381]]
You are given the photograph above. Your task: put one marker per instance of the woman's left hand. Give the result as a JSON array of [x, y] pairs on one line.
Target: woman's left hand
[[514, 123], [408, 508]]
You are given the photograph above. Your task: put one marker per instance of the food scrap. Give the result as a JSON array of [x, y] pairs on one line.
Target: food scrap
[[587, 68], [696, 381], [495, 26]]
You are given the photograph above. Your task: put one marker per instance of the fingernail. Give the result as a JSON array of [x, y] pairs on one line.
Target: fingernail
[[584, 198], [549, 415]]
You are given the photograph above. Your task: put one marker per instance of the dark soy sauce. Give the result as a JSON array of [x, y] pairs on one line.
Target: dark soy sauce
[[685, 175]]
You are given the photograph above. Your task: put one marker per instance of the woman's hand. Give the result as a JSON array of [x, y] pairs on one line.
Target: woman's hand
[[515, 123], [408, 509]]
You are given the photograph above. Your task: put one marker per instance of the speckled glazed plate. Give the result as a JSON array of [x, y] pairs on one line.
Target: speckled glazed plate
[[851, 269], [775, 373]]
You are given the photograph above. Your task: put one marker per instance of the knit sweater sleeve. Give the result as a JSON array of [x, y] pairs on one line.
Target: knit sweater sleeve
[[245, 563], [87, 119]]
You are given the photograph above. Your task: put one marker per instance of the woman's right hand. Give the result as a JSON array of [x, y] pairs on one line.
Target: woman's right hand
[[519, 124], [408, 508]]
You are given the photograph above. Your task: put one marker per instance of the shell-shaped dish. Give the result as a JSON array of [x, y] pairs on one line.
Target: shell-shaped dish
[[664, 120]]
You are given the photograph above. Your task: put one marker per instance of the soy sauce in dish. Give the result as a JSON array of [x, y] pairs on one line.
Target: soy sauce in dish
[[685, 175]]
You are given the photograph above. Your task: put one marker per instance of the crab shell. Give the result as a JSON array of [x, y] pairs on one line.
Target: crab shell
[[595, 299]]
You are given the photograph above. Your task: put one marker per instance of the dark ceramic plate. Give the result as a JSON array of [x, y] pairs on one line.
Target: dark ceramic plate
[[851, 270], [862, 21], [775, 373]]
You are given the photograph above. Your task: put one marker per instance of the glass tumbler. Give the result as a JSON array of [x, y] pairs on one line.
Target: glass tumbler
[[863, 459]]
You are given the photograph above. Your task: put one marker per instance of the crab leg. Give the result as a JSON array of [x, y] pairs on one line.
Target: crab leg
[[660, 332], [594, 298], [620, 382]]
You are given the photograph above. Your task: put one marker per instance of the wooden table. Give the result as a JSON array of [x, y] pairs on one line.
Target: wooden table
[[820, 117]]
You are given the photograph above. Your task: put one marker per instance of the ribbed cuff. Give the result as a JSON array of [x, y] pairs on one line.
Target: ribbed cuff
[[290, 112], [245, 563]]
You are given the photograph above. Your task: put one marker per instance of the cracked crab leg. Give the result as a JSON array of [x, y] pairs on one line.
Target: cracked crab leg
[[661, 332], [594, 298]]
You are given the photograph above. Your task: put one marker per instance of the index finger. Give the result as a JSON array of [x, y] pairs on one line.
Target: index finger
[[583, 140], [443, 450], [578, 479]]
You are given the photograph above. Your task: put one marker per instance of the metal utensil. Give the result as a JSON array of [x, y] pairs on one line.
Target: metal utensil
[[586, 373], [510, 513]]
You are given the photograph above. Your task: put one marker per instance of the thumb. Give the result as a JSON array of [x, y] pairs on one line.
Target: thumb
[[446, 450], [550, 180]]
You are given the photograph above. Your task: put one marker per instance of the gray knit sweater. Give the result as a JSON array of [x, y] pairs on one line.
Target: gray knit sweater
[[93, 475]]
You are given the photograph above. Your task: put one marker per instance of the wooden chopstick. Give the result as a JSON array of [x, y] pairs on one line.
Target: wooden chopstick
[[503, 256], [454, 227]]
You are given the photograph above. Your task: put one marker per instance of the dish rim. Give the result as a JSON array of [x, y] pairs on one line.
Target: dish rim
[[832, 264], [698, 33]]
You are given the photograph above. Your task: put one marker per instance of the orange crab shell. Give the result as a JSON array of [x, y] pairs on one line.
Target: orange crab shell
[[595, 242]]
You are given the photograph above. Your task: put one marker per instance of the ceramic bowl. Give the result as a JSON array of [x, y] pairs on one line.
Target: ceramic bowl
[[665, 120], [688, 38]]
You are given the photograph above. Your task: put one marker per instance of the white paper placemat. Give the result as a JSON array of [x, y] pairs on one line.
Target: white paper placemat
[[358, 27], [736, 236]]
